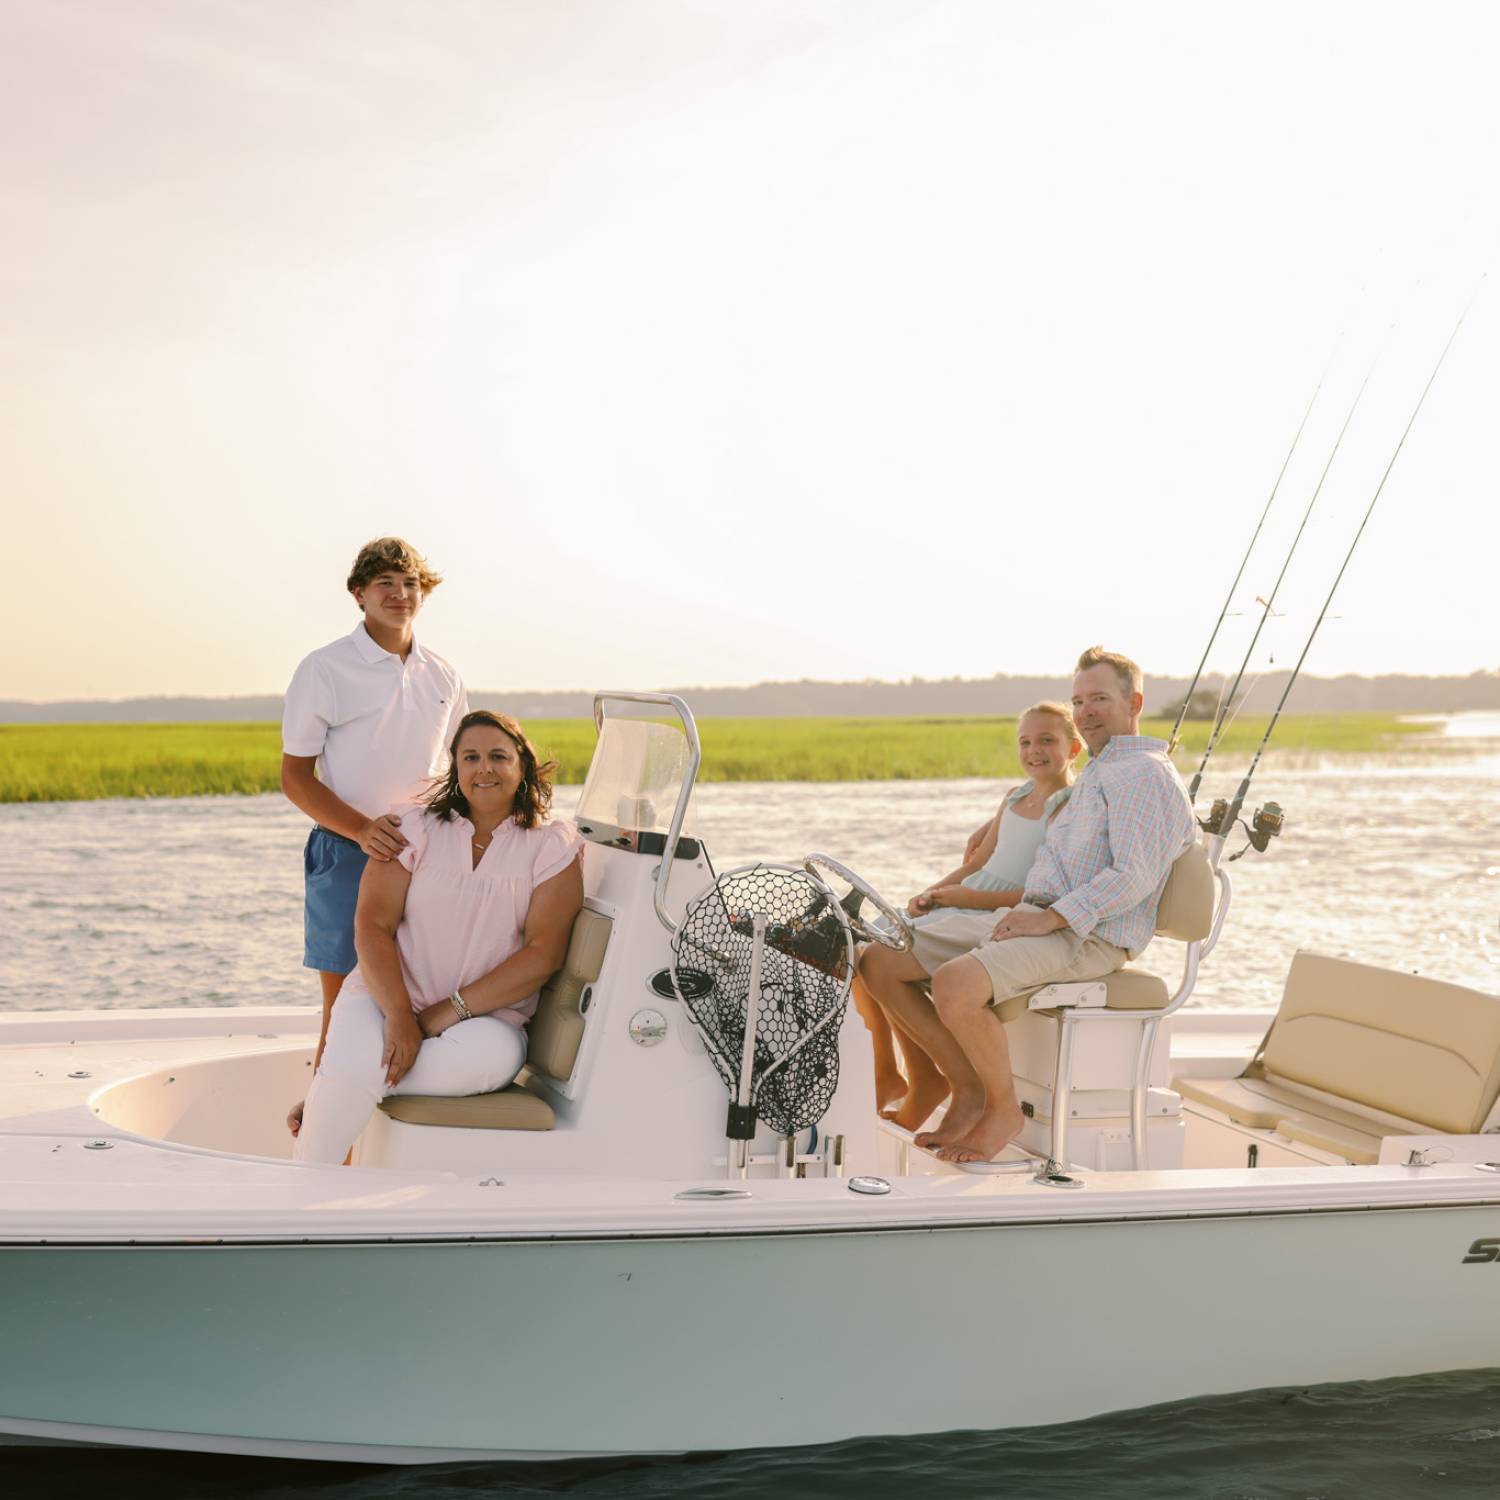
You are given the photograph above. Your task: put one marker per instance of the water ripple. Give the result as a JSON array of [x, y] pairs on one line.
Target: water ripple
[[1384, 863], [1386, 1440]]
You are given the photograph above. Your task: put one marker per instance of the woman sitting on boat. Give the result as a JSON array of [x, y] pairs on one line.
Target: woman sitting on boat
[[455, 938], [957, 913]]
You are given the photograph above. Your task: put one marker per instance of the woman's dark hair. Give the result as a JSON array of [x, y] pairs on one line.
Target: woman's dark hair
[[534, 795]]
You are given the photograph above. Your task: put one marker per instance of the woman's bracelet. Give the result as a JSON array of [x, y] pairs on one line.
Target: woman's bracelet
[[457, 1002]]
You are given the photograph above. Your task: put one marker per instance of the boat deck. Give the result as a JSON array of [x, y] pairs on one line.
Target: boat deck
[[75, 1179]]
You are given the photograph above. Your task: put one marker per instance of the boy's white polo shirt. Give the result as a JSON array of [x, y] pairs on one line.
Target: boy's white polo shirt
[[379, 726]]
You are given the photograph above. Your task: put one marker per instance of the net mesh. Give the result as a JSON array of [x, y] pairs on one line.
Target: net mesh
[[804, 983]]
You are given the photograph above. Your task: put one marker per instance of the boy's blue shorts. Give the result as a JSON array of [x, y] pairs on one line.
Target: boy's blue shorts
[[332, 866]]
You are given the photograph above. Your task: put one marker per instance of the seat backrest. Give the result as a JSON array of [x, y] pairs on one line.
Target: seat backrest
[[1186, 909], [1418, 1048], [555, 1032]]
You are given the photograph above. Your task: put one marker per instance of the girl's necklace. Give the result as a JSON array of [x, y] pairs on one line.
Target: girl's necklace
[[1035, 801]]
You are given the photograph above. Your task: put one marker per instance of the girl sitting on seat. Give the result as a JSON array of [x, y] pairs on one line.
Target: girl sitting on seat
[[455, 938], [959, 909]]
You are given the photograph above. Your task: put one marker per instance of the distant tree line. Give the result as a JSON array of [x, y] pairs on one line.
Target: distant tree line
[[805, 699]]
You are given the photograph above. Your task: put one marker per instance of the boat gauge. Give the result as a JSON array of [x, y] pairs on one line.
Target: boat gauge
[[647, 1027], [691, 984]]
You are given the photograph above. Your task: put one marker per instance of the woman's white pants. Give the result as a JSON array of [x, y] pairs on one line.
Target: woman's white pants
[[473, 1057]]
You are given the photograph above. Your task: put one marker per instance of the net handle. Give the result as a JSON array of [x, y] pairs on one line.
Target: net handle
[[738, 1155]]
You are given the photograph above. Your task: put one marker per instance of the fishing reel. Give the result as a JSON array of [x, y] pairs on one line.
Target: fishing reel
[[1265, 824]]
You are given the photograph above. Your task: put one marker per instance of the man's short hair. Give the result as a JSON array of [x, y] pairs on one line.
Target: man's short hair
[[1132, 680], [390, 554]]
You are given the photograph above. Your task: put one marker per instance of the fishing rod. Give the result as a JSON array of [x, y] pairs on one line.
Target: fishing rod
[[1229, 598], [1222, 715], [1267, 822]]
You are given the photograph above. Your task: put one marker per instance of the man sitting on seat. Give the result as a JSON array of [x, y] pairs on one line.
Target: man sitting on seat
[[1089, 905]]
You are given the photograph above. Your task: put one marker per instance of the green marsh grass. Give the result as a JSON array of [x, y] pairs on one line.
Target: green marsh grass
[[84, 762]]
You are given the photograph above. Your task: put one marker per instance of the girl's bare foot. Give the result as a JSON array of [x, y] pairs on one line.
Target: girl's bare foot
[[963, 1114], [294, 1117], [922, 1098], [890, 1090], [987, 1138]]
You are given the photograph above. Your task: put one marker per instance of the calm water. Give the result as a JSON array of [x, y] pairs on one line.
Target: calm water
[[197, 901], [1397, 862], [1393, 1440]]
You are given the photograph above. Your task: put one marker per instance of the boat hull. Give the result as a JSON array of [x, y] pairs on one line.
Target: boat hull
[[507, 1349]]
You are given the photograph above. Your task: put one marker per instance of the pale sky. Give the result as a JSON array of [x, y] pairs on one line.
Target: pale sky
[[709, 341]]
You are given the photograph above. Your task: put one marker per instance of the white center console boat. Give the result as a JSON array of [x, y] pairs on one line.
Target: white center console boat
[[587, 1263]]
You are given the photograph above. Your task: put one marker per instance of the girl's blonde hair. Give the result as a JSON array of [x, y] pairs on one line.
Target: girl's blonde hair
[[1057, 711]]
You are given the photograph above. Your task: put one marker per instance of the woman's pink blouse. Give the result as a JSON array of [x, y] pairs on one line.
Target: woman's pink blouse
[[462, 921]]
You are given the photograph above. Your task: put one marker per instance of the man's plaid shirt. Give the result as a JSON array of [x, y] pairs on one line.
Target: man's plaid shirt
[[1107, 854]]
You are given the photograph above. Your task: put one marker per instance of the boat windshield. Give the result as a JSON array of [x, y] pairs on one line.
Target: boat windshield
[[643, 763]]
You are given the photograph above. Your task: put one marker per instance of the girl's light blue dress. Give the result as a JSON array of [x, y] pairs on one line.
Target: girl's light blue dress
[[1016, 847], [950, 931]]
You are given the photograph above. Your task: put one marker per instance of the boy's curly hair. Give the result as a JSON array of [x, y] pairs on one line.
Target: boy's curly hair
[[391, 554]]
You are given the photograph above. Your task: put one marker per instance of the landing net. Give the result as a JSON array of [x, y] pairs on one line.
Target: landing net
[[804, 987]]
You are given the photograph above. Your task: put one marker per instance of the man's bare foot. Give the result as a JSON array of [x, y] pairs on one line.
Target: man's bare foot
[[923, 1097], [995, 1130], [294, 1117], [963, 1114]]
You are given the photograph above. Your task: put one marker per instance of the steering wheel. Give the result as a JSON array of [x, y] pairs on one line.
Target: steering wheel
[[897, 936]]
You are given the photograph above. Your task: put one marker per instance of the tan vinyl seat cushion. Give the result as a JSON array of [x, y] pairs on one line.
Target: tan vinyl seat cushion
[[556, 1030], [554, 1036], [1186, 908], [1262, 1104], [512, 1108], [1125, 989], [1395, 1053], [1418, 1048], [1134, 989], [1185, 912]]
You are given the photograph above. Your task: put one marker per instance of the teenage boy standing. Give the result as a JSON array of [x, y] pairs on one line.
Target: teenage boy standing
[[366, 724]]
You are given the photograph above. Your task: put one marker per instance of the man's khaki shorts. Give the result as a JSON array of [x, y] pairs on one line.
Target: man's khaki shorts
[[1014, 965]]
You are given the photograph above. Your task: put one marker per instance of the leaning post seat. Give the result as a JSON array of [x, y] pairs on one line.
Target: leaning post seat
[[1186, 913], [554, 1036], [1357, 1053]]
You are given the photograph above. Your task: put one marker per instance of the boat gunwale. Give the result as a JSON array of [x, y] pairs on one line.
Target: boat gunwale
[[733, 1232]]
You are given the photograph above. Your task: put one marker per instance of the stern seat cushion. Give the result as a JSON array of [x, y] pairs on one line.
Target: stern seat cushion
[[1418, 1048], [1264, 1104], [1357, 1053]]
